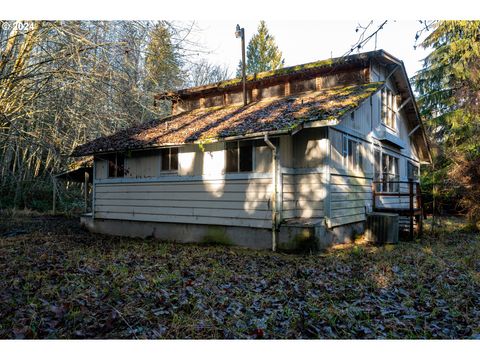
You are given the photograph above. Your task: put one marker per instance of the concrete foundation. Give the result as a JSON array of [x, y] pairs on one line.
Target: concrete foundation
[[294, 235]]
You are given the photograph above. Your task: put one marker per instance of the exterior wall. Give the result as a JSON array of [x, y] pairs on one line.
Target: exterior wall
[[310, 148], [142, 164], [349, 191], [304, 174], [100, 168], [243, 200]]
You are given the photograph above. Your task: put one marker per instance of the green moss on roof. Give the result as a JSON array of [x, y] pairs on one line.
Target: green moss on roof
[[277, 72], [209, 124]]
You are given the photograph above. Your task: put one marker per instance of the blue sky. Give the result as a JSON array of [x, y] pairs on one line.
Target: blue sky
[[304, 41]]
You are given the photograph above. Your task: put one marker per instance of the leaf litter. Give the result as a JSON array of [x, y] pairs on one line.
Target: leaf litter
[[59, 281]]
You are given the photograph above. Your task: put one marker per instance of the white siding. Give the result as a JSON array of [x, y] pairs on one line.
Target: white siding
[[210, 201], [349, 198], [142, 164], [304, 195]]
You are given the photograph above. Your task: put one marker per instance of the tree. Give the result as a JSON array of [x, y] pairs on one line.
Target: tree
[[262, 52], [203, 73], [449, 89], [162, 63], [63, 83]]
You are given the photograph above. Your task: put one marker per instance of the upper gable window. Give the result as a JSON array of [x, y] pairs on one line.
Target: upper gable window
[[169, 159], [239, 156], [116, 165], [388, 110]]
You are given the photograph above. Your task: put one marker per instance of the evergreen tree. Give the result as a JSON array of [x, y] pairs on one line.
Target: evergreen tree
[[162, 63], [449, 88], [262, 53]]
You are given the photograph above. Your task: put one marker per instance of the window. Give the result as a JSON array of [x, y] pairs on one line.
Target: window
[[386, 171], [239, 156], [169, 158], [412, 171], [352, 154], [116, 165], [388, 112]]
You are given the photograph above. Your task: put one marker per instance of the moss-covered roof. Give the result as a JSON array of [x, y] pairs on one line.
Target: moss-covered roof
[[209, 124], [286, 71]]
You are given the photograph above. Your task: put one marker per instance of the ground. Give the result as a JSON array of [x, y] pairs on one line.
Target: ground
[[59, 281]]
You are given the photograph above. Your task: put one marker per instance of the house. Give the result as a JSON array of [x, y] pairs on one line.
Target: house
[[293, 167]]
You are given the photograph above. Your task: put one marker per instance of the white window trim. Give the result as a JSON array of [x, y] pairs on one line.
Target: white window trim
[[345, 162], [169, 171], [384, 152], [393, 109], [254, 158]]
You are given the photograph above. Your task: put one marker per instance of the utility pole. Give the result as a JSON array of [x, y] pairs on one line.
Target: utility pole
[[240, 33]]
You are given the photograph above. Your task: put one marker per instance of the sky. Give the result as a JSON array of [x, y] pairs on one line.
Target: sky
[[310, 40]]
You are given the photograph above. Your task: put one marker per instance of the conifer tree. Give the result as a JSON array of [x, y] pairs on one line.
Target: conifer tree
[[262, 52], [449, 88], [162, 63]]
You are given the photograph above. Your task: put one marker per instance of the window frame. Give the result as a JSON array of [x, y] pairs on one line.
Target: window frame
[[388, 114], [114, 158], [415, 171], [237, 149], [356, 164], [170, 170], [379, 166]]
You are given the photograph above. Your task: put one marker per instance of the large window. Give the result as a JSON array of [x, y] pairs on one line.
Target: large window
[[386, 171], [239, 156], [169, 159], [352, 154], [116, 165], [388, 110]]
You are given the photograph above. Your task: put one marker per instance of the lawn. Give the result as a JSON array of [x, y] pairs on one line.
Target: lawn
[[59, 281]]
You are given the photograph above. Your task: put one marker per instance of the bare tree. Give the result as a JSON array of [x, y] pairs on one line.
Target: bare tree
[[203, 73], [66, 82]]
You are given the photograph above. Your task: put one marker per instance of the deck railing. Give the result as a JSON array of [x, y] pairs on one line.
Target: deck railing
[[415, 206]]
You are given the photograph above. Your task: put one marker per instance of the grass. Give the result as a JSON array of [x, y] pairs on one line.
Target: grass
[[59, 281]]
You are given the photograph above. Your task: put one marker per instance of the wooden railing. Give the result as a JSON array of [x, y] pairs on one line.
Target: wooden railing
[[415, 208]]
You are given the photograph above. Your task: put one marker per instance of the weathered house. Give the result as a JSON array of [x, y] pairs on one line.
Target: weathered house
[[294, 165]]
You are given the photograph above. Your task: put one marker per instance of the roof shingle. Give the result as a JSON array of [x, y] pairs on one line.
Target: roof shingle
[[271, 115]]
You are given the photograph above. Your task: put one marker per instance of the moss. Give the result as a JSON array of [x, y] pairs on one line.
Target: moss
[[277, 72], [216, 235]]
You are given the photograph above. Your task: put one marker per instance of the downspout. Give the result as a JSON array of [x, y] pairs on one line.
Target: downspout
[[275, 197]]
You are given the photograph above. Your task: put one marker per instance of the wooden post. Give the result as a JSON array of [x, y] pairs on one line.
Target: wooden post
[[373, 195], [419, 206], [85, 190], [410, 186], [54, 182]]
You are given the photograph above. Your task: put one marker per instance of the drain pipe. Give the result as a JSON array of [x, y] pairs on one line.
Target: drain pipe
[[275, 214]]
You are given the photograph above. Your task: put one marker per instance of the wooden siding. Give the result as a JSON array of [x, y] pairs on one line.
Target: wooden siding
[[349, 197], [304, 195], [142, 164], [216, 201]]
